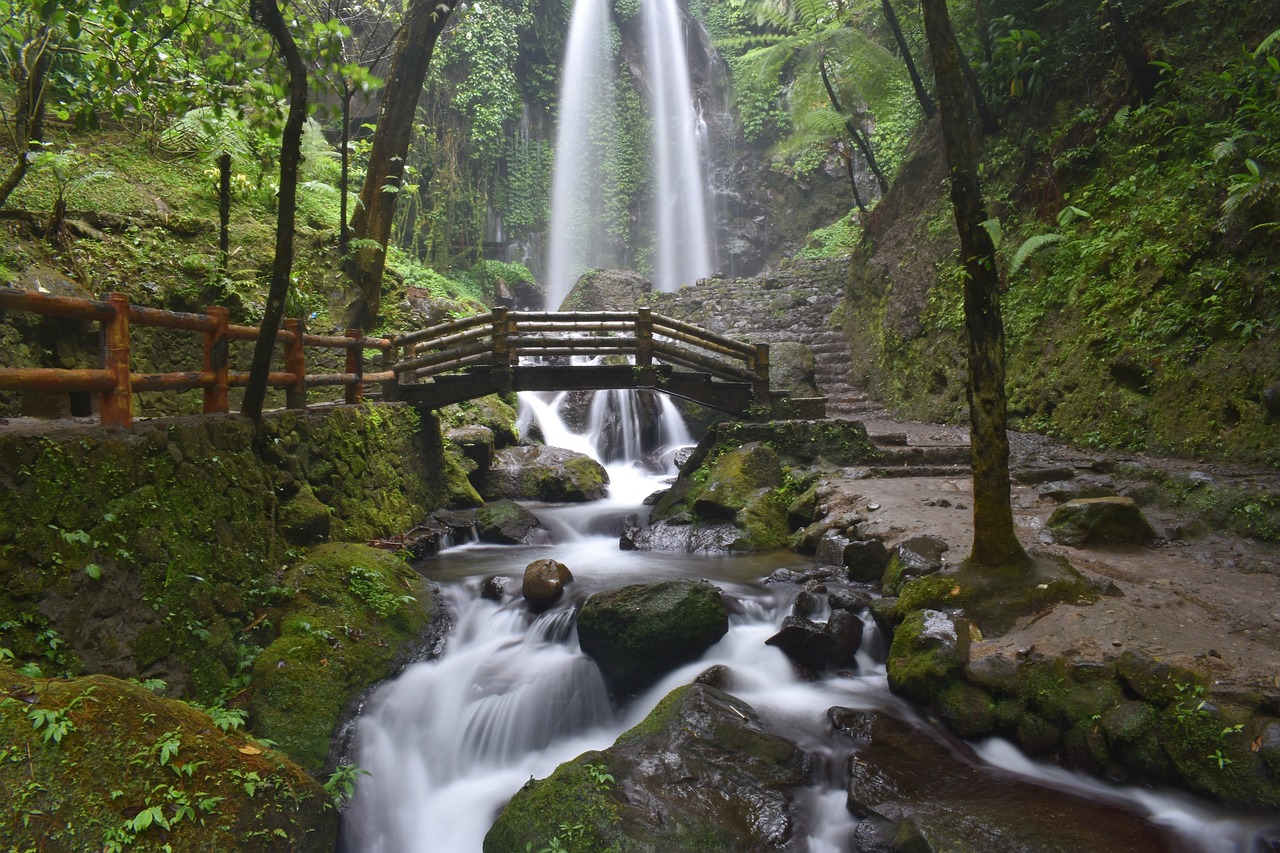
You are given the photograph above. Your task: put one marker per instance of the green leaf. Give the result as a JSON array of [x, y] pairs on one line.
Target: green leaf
[[994, 230], [94, 571]]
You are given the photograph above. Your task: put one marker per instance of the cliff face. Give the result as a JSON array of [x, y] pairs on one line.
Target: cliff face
[[1141, 299]]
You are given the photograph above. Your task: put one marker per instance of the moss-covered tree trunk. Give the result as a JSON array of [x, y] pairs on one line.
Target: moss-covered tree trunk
[[387, 154], [994, 541], [267, 14]]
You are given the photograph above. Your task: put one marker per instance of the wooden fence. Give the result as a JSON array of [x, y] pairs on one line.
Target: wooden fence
[[116, 383], [497, 340], [502, 337]]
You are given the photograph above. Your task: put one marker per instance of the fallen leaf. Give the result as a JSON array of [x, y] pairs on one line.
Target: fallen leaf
[[250, 749]]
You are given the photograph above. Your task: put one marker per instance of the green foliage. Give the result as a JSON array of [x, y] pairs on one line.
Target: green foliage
[[371, 587], [341, 784], [1014, 70], [800, 42], [839, 239], [525, 189]]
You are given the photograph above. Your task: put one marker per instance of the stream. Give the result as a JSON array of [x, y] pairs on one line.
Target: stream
[[449, 741]]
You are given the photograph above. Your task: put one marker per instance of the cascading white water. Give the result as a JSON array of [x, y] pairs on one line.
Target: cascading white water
[[682, 246], [587, 129]]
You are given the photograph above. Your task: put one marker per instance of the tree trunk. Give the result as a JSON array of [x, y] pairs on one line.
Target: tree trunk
[[267, 14], [855, 132], [224, 210], [389, 149], [994, 540], [35, 58], [1137, 57], [922, 94], [990, 124], [344, 182]]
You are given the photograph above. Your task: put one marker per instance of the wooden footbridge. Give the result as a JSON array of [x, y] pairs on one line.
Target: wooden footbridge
[[508, 350], [500, 351]]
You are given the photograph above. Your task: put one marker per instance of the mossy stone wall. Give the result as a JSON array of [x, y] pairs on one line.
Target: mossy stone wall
[[152, 551]]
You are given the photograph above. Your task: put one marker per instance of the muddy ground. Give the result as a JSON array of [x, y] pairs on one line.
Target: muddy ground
[[1200, 597]]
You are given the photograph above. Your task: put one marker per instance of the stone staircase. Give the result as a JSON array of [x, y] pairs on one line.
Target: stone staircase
[[797, 304], [792, 304]]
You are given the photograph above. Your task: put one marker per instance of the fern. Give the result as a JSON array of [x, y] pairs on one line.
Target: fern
[[207, 133], [1267, 43], [1029, 247]]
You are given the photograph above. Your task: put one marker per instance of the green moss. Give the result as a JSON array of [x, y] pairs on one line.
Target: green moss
[[102, 752], [568, 797], [353, 607], [969, 711], [927, 655], [995, 597]]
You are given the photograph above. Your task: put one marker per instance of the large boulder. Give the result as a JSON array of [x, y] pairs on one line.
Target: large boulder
[[545, 474], [107, 764], [914, 793], [1099, 521], [741, 488], [791, 369], [544, 582], [607, 290], [638, 633], [508, 523], [700, 773]]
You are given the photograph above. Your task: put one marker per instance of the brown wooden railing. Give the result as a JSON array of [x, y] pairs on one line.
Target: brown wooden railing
[[502, 337], [497, 340], [116, 383]]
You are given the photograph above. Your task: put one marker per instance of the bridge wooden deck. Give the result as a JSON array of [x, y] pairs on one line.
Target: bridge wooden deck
[[536, 351]]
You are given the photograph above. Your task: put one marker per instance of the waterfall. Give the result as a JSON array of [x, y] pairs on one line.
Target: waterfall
[[682, 251], [588, 129]]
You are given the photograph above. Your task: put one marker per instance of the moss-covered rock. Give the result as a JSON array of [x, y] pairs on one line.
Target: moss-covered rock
[[735, 480], [352, 608], [506, 522], [700, 773], [639, 633], [303, 520], [1100, 521], [545, 474], [927, 655], [995, 597], [96, 763]]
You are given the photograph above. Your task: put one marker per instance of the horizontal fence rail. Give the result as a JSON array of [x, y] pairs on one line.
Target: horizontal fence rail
[[116, 383], [503, 337], [498, 340]]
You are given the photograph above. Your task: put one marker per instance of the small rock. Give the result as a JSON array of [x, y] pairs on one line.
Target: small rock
[[494, 587], [544, 582]]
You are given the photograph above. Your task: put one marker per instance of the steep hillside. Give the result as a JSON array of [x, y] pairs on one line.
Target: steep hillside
[[1139, 240]]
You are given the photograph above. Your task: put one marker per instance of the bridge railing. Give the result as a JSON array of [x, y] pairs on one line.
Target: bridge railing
[[502, 337], [116, 383]]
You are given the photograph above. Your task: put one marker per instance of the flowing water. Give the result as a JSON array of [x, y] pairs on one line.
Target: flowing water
[[587, 133], [449, 741], [680, 214]]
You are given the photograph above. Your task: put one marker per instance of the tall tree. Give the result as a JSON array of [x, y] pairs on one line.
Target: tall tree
[[371, 225], [994, 540], [267, 15], [922, 95]]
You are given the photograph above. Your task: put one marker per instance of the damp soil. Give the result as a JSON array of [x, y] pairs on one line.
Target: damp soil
[[1194, 596]]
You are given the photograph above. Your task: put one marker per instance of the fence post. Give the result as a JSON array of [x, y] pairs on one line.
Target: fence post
[[391, 387], [355, 364], [217, 360], [644, 337], [295, 362], [760, 388], [117, 404], [502, 329]]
